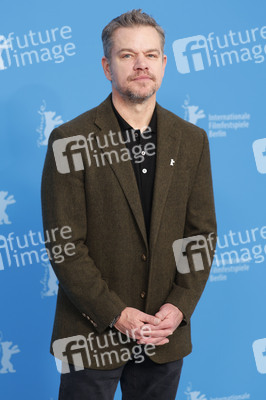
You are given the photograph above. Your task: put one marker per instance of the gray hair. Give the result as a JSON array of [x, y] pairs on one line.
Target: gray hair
[[128, 20]]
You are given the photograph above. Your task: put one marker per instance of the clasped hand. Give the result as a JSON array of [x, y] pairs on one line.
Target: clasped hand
[[149, 329]]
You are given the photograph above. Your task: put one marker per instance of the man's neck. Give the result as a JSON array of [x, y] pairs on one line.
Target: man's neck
[[137, 115]]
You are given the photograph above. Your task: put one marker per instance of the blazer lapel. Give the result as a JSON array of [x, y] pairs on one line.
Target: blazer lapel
[[106, 121], [168, 141]]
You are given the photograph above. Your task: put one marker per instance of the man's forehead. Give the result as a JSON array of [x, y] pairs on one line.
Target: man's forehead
[[147, 36], [135, 34]]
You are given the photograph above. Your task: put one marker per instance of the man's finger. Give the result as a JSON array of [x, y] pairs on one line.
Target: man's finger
[[157, 333], [150, 319], [160, 315], [153, 340], [165, 324]]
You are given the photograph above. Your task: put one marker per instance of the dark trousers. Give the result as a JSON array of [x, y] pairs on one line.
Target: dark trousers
[[146, 380]]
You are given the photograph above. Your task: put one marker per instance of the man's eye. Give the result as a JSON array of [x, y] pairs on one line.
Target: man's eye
[[126, 56], [151, 55]]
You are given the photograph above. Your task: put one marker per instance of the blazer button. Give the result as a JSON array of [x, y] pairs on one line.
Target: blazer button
[[144, 257], [143, 295]]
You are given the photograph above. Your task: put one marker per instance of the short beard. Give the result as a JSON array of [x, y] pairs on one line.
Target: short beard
[[135, 98], [131, 96]]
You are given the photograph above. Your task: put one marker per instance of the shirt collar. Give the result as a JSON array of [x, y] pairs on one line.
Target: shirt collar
[[124, 125]]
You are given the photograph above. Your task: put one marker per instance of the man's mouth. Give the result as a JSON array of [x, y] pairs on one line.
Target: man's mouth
[[141, 77]]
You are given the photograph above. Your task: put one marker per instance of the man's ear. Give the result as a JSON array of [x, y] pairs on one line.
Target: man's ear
[[106, 68]]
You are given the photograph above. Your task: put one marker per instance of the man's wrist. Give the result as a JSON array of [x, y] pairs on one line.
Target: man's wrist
[[114, 321]]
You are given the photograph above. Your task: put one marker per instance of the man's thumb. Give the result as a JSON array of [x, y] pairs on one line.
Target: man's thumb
[[160, 315]]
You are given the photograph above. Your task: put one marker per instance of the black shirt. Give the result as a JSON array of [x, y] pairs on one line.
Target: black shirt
[[142, 148]]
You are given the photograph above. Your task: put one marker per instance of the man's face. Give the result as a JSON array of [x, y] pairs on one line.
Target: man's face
[[137, 63]]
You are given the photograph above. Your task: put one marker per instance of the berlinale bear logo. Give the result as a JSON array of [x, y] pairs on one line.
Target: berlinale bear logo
[[4, 202], [49, 121], [194, 395], [49, 281], [192, 113], [7, 352]]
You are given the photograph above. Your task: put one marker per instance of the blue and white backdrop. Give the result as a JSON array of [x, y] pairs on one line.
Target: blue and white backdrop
[[50, 72]]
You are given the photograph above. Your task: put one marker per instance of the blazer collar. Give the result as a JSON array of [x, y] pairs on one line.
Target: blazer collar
[[124, 125]]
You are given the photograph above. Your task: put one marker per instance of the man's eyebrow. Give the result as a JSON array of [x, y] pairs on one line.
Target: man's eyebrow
[[130, 50], [153, 51], [133, 51]]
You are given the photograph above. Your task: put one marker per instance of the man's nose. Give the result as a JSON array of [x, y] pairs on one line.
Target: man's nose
[[140, 62]]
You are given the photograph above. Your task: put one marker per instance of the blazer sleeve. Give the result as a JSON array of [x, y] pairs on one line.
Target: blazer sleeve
[[200, 220], [64, 205]]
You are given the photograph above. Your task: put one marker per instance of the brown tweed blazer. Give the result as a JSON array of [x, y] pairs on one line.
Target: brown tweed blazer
[[113, 266]]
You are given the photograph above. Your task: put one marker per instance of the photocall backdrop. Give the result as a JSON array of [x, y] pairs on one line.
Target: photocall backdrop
[[50, 72]]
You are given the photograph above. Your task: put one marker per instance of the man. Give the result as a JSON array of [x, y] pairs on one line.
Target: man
[[125, 181]]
